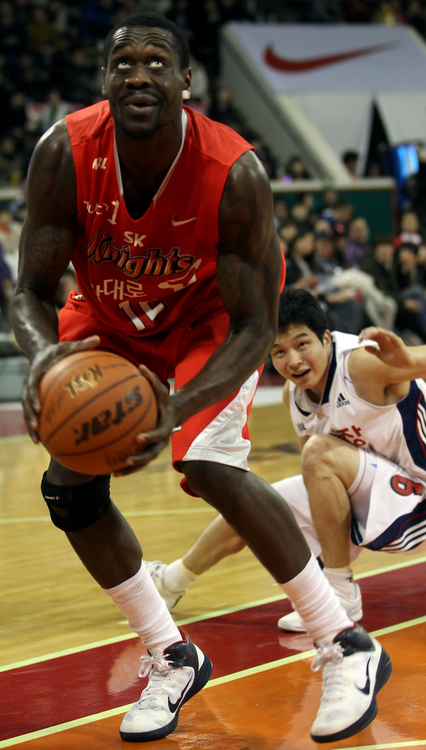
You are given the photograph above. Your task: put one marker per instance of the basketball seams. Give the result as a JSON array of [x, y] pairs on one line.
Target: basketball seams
[[88, 403]]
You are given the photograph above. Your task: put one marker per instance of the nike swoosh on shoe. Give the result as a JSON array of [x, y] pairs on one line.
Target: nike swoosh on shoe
[[174, 706], [366, 688]]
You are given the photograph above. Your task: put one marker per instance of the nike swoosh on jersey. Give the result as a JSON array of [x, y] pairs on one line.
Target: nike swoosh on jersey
[[366, 688], [285, 65], [174, 706], [178, 223]]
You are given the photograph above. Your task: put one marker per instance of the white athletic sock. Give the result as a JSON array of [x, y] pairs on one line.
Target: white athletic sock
[[342, 580], [145, 610], [316, 602], [177, 577]]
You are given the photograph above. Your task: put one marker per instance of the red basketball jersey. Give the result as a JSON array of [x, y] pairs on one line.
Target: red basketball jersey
[[141, 275]]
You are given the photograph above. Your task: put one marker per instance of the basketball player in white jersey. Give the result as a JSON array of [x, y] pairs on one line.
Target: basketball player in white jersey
[[358, 407]]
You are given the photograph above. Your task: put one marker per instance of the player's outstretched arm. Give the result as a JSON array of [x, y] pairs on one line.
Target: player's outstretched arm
[[396, 361], [46, 247]]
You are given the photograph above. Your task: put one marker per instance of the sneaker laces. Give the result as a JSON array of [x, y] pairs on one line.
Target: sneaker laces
[[156, 666], [330, 660]]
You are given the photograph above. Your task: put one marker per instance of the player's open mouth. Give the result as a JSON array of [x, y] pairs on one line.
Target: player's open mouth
[[300, 375], [140, 103]]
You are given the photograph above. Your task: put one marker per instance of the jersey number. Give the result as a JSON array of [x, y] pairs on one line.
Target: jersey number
[[150, 312], [404, 486]]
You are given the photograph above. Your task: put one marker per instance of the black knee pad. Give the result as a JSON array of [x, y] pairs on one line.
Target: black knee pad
[[81, 504]]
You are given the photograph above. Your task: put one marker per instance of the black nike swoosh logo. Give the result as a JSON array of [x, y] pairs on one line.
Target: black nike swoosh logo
[[366, 688], [174, 706]]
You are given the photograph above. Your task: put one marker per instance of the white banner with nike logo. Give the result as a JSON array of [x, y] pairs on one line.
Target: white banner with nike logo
[[317, 57], [336, 72]]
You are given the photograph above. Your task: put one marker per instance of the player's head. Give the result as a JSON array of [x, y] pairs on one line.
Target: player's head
[[151, 20], [299, 307], [146, 74], [301, 350]]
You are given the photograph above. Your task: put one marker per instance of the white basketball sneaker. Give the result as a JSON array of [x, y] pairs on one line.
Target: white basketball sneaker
[[156, 570], [175, 676], [355, 667], [294, 623]]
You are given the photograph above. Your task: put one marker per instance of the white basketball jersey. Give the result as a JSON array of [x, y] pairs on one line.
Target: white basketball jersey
[[397, 431]]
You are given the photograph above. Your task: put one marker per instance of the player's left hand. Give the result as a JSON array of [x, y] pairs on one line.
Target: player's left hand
[[391, 349], [152, 443]]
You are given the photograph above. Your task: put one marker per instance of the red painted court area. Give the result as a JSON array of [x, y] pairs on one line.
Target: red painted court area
[[83, 684]]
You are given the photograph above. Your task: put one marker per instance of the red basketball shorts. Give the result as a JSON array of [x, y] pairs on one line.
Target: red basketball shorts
[[219, 433]]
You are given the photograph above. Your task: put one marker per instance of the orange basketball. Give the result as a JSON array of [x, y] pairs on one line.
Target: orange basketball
[[93, 404]]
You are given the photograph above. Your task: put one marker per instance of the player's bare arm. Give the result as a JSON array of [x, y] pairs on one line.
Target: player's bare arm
[[46, 247], [286, 401], [382, 374], [248, 273]]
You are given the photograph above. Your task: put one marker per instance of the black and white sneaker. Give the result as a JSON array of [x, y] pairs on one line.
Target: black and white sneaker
[[355, 667], [175, 675]]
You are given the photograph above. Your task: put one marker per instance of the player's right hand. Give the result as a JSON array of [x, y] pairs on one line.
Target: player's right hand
[[44, 359]]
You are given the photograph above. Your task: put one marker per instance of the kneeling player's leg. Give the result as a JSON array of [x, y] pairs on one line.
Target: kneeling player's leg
[[217, 541], [330, 467]]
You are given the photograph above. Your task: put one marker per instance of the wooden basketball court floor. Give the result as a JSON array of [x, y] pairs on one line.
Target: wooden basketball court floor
[[68, 662]]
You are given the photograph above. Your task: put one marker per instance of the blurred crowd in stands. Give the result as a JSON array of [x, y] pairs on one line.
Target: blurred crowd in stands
[[359, 279], [50, 65]]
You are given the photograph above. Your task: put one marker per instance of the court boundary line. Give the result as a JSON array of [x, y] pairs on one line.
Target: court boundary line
[[197, 618], [82, 721]]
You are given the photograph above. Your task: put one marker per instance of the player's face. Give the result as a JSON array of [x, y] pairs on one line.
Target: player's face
[[298, 355], [144, 82]]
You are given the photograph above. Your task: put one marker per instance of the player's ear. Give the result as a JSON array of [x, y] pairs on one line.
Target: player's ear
[[186, 93], [104, 91], [326, 338]]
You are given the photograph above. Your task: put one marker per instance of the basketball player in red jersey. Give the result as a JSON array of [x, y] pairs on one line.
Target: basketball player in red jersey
[[167, 218]]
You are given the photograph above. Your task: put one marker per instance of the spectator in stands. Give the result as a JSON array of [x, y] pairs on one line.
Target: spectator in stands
[[410, 276], [54, 110], [357, 241], [10, 232], [379, 264], [416, 16], [409, 229], [97, 18], [11, 32], [6, 290], [182, 15], [288, 231], [350, 160], [296, 169], [280, 212], [299, 212], [79, 71], [31, 77], [235, 10], [340, 216], [221, 107], [343, 302], [264, 154], [11, 162], [42, 38], [330, 199], [200, 87], [13, 121], [300, 260]]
